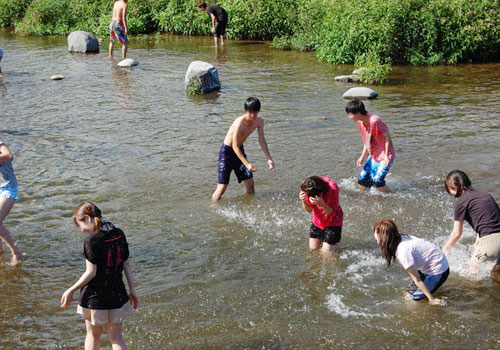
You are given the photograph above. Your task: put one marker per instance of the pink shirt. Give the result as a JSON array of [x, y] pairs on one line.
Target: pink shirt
[[321, 219], [373, 137]]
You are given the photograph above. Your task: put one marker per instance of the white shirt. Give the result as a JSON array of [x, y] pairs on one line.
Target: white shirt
[[425, 256]]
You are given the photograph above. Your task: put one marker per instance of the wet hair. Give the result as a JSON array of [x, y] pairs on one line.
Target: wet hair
[[314, 186], [252, 104], [202, 5], [459, 181], [389, 239], [88, 209], [355, 106]]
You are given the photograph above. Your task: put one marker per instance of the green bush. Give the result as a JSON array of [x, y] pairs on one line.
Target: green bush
[[371, 69], [12, 11], [282, 43]]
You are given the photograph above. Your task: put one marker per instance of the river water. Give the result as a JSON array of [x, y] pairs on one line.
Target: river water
[[238, 275]]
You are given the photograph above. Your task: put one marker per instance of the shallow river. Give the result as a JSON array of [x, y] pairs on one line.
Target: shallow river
[[238, 275]]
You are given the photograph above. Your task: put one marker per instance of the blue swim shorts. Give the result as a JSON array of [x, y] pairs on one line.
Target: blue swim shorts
[[432, 282], [373, 173], [229, 161], [9, 192]]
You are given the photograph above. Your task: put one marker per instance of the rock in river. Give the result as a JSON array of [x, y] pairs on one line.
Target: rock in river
[[202, 76], [80, 41], [56, 77], [363, 93], [127, 62], [348, 78]]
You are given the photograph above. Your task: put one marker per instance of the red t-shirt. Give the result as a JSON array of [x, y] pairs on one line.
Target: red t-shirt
[[321, 219], [373, 137]]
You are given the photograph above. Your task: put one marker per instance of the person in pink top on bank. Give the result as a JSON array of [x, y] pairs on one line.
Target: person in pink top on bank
[[320, 196], [377, 145]]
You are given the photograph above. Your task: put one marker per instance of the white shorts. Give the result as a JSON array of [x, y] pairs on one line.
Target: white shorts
[[103, 317]]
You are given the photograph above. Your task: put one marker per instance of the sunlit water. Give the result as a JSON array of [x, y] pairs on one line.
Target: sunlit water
[[238, 275]]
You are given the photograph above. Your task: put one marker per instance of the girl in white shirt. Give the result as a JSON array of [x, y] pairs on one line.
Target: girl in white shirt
[[425, 263]]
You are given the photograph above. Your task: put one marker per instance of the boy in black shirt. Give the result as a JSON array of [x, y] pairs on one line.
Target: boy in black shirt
[[219, 15]]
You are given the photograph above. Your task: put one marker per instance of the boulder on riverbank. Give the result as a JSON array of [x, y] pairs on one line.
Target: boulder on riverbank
[[352, 78], [82, 42], [127, 62], [362, 93], [201, 77]]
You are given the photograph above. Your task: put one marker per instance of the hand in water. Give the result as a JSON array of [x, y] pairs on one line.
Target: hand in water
[[134, 299], [270, 163], [438, 302], [67, 299]]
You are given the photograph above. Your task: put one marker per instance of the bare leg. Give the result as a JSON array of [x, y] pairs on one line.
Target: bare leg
[[115, 336], [111, 48], [384, 189], [363, 187], [328, 248], [495, 273], [249, 186], [124, 51], [92, 340], [222, 40], [314, 243], [221, 188], [216, 40], [6, 205]]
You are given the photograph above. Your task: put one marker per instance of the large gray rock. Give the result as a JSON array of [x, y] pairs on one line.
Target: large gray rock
[[83, 42], [347, 78], [362, 93], [201, 77]]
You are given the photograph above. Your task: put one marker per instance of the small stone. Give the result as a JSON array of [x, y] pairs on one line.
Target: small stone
[[57, 77], [359, 70], [127, 62], [99, 40], [362, 93], [348, 78]]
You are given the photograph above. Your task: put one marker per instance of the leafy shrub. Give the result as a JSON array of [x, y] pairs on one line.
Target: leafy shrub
[[371, 69], [282, 43], [12, 11]]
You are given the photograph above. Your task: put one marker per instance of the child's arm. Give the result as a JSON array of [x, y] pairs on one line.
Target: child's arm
[[458, 227], [412, 271], [88, 275], [388, 141], [125, 18], [130, 280], [5, 154], [213, 22], [263, 145], [319, 201], [361, 159], [236, 147], [306, 205]]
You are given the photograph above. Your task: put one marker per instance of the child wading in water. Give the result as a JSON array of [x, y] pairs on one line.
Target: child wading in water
[[103, 298], [1, 55], [232, 155], [425, 263], [481, 211], [8, 196], [320, 195], [118, 27], [219, 20], [377, 145]]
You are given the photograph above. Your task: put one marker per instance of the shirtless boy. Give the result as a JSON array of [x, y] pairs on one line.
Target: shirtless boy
[[232, 155], [118, 27]]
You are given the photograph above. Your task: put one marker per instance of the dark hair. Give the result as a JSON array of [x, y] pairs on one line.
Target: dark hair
[[252, 104], [355, 106], [389, 239], [202, 4], [458, 181], [313, 186], [88, 209]]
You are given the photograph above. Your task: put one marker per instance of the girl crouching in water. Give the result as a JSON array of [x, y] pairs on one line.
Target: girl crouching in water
[[103, 298], [425, 263]]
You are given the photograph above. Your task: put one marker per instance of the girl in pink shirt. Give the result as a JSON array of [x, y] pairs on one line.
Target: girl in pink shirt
[[320, 196]]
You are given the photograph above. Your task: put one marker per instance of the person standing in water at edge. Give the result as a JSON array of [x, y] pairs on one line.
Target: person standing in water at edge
[[118, 29], [8, 196], [481, 211], [377, 145], [425, 263], [1, 55], [104, 301], [232, 155], [219, 21]]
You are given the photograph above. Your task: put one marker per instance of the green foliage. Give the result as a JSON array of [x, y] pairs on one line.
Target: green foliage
[[340, 31], [371, 69], [194, 88]]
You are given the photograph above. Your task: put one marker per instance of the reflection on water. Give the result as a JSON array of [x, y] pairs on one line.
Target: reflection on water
[[238, 275]]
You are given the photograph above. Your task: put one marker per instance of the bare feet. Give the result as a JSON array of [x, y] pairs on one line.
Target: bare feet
[[16, 259]]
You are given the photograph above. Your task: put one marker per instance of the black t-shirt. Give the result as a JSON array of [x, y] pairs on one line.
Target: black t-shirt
[[218, 12], [108, 250], [480, 210]]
